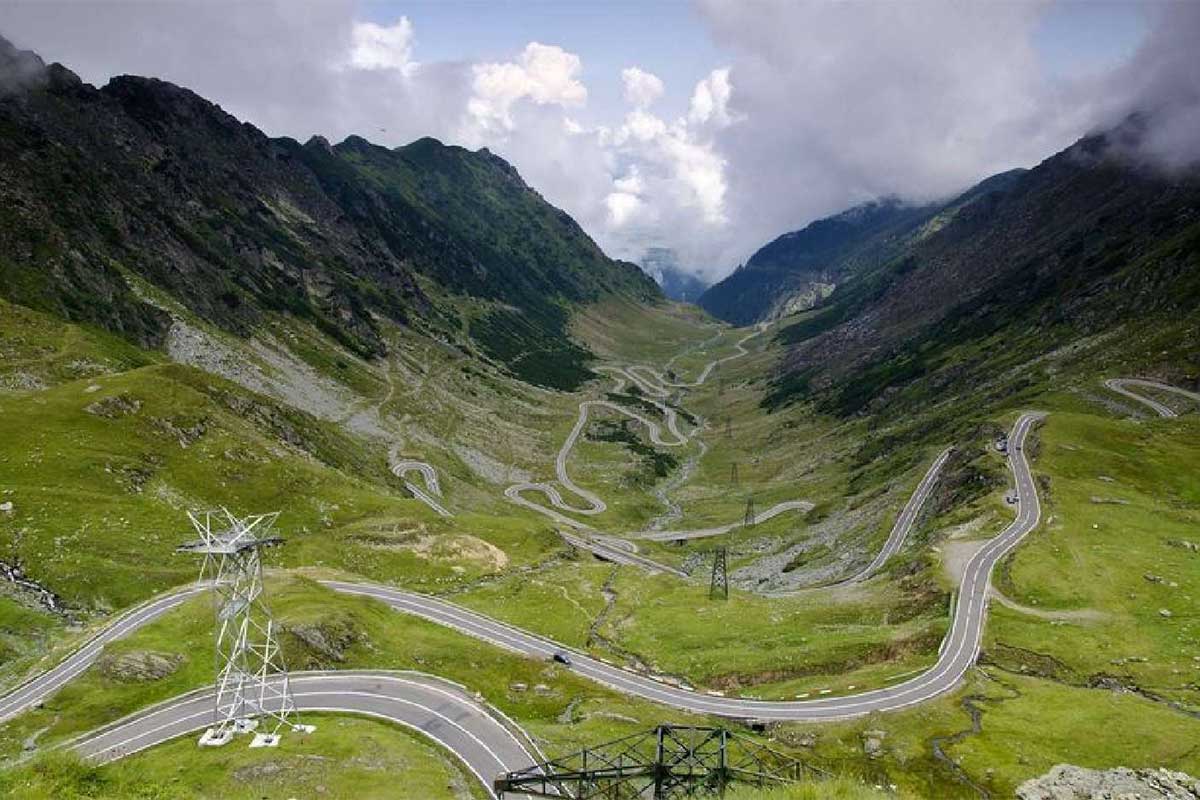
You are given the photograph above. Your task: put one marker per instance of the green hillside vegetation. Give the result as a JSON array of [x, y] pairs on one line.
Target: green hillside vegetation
[[829, 640], [362, 760], [836, 789], [237, 226]]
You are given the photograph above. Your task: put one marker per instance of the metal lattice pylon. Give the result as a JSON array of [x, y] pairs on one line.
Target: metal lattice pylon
[[751, 517], [668, 763], [719, 585], [252, 681]]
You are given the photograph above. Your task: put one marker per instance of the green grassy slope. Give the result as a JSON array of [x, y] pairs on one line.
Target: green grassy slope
[[98, 498], [357, 758]]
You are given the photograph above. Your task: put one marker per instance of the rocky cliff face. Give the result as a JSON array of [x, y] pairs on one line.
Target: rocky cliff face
[[146, 177]]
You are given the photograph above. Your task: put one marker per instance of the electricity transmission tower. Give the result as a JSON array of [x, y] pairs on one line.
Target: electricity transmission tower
[[733, 473], [252, 681], [671, 762], [719, 585], [750, 516]]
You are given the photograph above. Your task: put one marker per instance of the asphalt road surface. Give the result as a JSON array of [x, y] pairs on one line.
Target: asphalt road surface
[[957, 654], [41, 686], [433, 488], [907, 517], [486, 743], [488, 746], [1122, 386], [611, 551]]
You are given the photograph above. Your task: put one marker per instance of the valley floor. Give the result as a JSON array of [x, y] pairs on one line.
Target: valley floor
[[102, 447]]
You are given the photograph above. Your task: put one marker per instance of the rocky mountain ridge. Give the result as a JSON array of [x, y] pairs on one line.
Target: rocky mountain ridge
[[148, 178]]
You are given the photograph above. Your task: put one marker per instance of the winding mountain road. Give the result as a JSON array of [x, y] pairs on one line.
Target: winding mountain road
[[905, 521], [659, 385], [594, 504], [490, 744], [433, 489], [1122, 386], [475, 734], [479, 736], [653, 384], [656, 386], [958, 652]]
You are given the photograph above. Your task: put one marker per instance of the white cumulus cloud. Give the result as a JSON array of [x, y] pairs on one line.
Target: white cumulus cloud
[[621, 207], [710, 99], [542, 74], [382, 46], [641, 126], [642, 88]]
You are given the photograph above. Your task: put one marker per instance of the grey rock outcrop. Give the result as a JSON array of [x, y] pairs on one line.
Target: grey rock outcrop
[[1067, 782], [138, 666]]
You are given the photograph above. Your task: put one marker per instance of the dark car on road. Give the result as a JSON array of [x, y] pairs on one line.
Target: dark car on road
[[561, 658]]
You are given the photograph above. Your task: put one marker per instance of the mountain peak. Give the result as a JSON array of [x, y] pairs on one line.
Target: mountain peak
[[357, 144], [160, 105], [503, 165], [19, 69], [318, 142]]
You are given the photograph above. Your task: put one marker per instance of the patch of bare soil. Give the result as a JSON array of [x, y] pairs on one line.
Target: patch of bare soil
[[456, 547]]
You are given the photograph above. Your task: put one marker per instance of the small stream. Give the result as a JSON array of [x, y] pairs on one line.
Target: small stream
[[674, 511]]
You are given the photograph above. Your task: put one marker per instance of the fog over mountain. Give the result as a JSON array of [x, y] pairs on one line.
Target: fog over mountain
[[678, 282], [806, 108]]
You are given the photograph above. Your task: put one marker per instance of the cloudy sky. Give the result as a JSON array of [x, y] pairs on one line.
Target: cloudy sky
[[708, 127]]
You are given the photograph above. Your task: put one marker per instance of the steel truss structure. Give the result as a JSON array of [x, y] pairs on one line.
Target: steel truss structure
[[252, 681], [668, 762], [719, 585]]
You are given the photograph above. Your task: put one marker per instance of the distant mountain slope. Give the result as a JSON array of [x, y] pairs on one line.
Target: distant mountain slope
[[145, 176], [1084, 243], [676, 283], [799, 269]]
